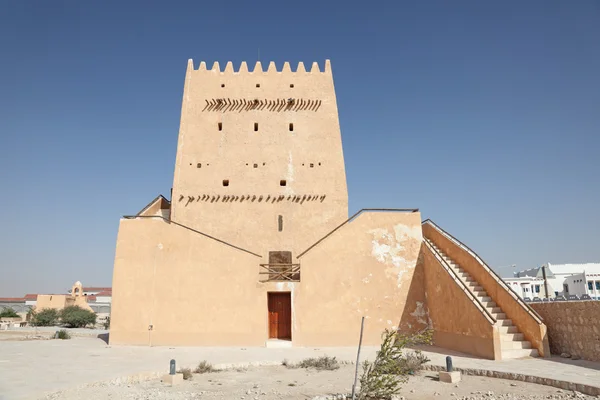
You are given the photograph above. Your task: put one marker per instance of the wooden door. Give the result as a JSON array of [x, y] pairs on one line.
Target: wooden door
[[280, 316]]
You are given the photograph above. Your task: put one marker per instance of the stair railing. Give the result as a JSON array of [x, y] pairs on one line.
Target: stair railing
[[462, 285], [493, 273]]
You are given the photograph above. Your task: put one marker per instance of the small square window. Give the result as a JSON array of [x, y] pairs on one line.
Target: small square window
[[199, 165], [225, 182], [255, 165], [291, 85], [282, 182], [222, 85], [258, 85], [312, 165]]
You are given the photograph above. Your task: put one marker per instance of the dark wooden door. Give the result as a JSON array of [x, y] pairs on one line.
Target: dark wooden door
[[280, 316]]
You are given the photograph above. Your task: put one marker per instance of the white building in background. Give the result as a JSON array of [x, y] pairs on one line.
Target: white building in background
[[562, 280]]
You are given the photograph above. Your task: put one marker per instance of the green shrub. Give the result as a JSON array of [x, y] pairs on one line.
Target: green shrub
[[8, 313], [44, 317], [204, 367], [382, 378], [187, 373], [63, 334], [77, 317]]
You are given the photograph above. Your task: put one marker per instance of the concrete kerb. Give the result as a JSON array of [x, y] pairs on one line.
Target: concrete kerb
[[578, 387]]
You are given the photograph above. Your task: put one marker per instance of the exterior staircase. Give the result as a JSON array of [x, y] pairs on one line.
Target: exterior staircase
[[513, 343]]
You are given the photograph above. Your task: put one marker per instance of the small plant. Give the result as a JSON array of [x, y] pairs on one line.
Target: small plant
[[63, 334], [204, 367], [382, 378], [8, 313], [320, 364], [45, 317], [187, 373], [77, 317]]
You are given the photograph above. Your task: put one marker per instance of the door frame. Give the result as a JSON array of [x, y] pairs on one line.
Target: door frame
[[289, 295]]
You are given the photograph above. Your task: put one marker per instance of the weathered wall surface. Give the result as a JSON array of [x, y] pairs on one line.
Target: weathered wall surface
[[573, 327], [457, 323], [197, 291], [533, 331], [370, 268]]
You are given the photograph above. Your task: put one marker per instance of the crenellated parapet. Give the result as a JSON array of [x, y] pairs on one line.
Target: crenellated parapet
[[258, 68]]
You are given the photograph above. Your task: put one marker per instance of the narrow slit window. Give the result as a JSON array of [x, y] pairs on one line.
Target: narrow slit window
[[225, 182], [291, 127], [220, 126], [282, 182], [256, 127], [280, 223]]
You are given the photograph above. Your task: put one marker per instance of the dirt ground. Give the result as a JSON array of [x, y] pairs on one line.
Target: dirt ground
[[279, 382]]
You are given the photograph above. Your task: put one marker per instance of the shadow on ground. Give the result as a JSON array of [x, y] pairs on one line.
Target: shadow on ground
[[103, 337]]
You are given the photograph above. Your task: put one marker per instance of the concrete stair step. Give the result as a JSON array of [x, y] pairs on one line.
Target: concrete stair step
[[512, 337], [498, 315], [504, 322], [515, 345], [520, 353], [494, 308], [477, 288], [485, 299], [489, 304], [508, 329]]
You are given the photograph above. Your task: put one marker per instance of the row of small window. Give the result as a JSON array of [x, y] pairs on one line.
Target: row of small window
[[282, 182], [290, 126], [255, 165], [257, 85], [591, 285], [537, 289]]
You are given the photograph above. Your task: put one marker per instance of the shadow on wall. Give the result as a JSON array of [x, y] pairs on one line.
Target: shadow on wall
[[415, 316]]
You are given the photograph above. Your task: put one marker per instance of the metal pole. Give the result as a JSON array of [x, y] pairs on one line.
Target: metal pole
[[545, 280], [362, 325]]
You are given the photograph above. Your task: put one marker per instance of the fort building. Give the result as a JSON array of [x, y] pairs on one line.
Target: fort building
[[255, 246]]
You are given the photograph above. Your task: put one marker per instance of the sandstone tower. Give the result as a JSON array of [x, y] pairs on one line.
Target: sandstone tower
[[259, 156]]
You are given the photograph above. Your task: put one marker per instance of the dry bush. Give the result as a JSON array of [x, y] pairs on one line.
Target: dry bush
[[204, 367], [323, 363], [187, 373]]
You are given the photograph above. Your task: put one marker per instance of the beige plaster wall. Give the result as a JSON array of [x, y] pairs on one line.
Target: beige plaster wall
[[60, 301], [246, 212], [457, 323], [197, 291], [533, 331], [573, 327]]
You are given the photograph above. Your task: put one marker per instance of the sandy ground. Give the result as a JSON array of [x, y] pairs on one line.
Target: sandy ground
[[279, 382]]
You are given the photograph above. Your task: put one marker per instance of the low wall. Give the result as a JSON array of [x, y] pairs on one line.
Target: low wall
[[573, 327]]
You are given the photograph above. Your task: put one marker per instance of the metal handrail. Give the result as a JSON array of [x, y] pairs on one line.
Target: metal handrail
[[490, 271], [411, 210], [464, 287], [170, 221]]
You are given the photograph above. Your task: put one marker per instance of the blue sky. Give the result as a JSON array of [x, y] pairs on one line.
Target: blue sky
[[485, 115]]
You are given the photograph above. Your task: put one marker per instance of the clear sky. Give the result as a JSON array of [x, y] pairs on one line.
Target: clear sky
[[483, 114]]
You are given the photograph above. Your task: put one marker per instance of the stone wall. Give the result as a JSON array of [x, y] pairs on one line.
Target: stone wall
[[573, 327]]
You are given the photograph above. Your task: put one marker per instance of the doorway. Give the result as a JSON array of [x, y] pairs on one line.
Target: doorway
[[280, 315]]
